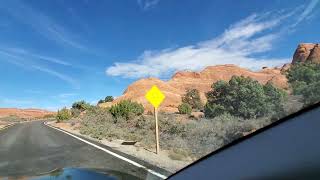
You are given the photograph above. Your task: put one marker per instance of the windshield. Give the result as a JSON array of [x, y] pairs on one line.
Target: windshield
[[142, 89]]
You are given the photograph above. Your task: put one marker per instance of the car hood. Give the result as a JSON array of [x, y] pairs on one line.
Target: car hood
[[78, 174]]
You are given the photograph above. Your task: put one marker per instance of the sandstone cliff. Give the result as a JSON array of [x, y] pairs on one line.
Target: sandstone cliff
[[307, 52]]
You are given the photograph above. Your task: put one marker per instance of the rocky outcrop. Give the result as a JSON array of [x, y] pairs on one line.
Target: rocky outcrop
[[24, 113], [314, 56], [307, 52], [181, 81], [138, 89]]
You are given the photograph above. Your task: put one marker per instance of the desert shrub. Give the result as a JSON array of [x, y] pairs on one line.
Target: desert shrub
[[184, 108], [100, 123], [178, 154], [63, 114], [192, 97], [108, 99], [192, 138], [244, 97], [11, 118], [126, 109], [144, 123], [173, 127], [304, 79], [207, 135], [75, 112], [213, 110], [276, 99], [81, 105], [100, 101]]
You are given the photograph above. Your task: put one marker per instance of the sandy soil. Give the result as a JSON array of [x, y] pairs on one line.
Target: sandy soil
[[161, 160]]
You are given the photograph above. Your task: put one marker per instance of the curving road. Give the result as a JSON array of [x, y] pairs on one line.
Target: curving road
[[33, 148]]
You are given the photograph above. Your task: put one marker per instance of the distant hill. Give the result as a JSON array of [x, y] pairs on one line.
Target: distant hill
[[24, 113]]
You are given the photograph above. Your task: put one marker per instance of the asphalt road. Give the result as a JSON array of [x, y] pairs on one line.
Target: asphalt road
[[32, 148]]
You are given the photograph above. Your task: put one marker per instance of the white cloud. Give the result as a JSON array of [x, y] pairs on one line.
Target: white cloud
[[236, 45], [307, 11], [240, 44], [25, 62], [61, 76], [19, 52], [42, 24], [147, 4]]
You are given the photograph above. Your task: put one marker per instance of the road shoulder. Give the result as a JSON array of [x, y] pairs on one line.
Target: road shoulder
[[6, 126], [162, 173]]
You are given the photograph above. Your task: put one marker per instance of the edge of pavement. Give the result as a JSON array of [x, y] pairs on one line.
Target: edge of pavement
[[22, 122], [7, 126], [123, 156]]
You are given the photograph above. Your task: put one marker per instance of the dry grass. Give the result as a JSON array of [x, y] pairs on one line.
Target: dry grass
[[182, 138], [11, 119]]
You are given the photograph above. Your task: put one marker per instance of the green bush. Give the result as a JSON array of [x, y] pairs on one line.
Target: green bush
[[75, 112], [213, 110], [63, 114], [81, 105], [126, 109], [194, 138], [100, 101], [184, 108], [192, 97], [304, 79], [108, 99], [244, 97], [276, 99]]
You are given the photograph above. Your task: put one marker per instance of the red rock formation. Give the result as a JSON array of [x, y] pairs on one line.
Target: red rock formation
[[302, 52], [181, 81], [314, 56], [307, 52]]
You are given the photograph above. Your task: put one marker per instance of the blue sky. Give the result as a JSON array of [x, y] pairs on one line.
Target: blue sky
[[53, 53]]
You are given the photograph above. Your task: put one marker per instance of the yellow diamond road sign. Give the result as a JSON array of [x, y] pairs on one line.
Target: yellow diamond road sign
[[155, 96]]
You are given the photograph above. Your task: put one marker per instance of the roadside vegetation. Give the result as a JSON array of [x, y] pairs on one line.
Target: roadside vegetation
[[11, 119], [246, 98], [304, 79], [63, 114], [233, 109], [192, 98], [106, 99], [192, 138], [126, 109], [185, 108]]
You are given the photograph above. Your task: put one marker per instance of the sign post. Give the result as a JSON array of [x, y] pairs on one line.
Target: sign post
[[155, 97], [157, 131]]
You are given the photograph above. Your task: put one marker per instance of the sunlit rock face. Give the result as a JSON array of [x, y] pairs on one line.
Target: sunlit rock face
[[176, 87], [307, 52]]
